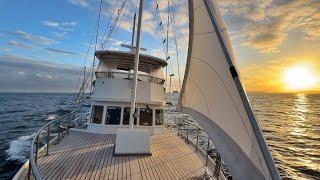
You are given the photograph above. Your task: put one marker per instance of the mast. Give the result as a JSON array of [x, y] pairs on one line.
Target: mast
[[133, 29], [136, 67]]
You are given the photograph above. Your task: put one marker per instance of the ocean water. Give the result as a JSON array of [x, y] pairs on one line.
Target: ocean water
[[290, 124], [21, 115], [291, 127]]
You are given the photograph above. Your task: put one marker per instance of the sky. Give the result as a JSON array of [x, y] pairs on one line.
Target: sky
[[44, 44]]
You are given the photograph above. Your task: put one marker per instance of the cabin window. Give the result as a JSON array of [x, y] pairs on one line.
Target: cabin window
[[113, 115], [97, 112], [159, 117], [126, 116], [145, 117]]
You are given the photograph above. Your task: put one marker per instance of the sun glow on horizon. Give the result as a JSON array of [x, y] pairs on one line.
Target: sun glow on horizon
[[299, 78]]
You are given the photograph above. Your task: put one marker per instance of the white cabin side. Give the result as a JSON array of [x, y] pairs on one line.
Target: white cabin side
[[110, 107]]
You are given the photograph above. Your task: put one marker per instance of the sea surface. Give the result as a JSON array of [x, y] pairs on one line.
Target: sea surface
[[290, 124]]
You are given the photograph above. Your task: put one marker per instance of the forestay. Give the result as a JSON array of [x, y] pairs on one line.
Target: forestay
[[213, 95]]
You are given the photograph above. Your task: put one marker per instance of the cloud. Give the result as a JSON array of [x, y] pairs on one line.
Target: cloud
[[21, 74], [20, 45], [263, 24], [60, 35], [35, 39], [62, 51], [266, 24], [63, 26], [51, 24], [83, 3]]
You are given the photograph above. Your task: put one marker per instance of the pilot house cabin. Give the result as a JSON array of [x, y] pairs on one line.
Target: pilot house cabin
[[112, 93]]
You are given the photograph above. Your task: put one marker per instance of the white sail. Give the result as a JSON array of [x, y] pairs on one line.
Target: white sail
[[213, 95]]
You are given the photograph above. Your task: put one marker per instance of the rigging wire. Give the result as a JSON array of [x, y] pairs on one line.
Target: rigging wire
[[163, 38], [95, 46], [172, 12], [113, 26], [171, 21], [75, 96], [160, 27], [167, 50], [170, 64], [116, 28], [108, 24], [87, 79]]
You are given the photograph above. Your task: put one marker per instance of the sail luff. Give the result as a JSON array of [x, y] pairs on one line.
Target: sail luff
[[179, 106], [232, 127]]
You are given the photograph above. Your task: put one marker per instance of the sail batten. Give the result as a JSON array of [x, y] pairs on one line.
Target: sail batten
[[212, 93]]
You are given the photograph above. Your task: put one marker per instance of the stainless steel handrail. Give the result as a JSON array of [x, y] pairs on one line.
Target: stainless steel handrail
[[112, 74], [34, 152], [190, 126]]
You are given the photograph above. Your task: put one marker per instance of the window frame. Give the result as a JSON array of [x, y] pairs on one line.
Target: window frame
[[137, 120], [155, 117], [93, 112], [151, 110], [105, 115]]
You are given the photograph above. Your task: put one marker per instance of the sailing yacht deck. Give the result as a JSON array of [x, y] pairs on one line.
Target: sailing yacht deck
[[84, 155]]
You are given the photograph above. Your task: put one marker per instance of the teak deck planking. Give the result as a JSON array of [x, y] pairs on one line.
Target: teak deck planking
[[82, 155]]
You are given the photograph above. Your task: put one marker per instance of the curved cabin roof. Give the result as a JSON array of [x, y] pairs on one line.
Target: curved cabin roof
[[125, 60]]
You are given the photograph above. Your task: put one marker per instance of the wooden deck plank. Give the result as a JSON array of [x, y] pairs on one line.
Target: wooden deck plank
[[58, 158], [96, 152], [107, 159], [82, 155], [65, 164], [97, 170], [166, 157], [79, 154], [85, 157], [135, 171]]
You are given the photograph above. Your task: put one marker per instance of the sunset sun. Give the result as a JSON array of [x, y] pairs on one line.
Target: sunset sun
[[298, 78]]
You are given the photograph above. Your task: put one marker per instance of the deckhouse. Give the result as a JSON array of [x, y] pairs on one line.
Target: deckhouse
[[110, 109]]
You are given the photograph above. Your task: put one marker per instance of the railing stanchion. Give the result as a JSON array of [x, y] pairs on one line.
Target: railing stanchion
[[207, 156], [37, 148], [217, 168], [183, 134], [34, 155], [68, 121], [59, 131], [48, 140], [78, 122], [197, 139], [179, 127], [29, 171], [188, 133]]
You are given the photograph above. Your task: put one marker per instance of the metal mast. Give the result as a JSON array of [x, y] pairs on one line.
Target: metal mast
[[136, 67], [133, 29]]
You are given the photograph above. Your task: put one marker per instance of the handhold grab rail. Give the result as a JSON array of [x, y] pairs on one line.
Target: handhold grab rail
[[183, 128], [34, 154]]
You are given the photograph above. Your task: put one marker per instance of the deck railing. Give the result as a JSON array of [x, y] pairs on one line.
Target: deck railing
[[192, 133], [49, 134], [55, 130], [125, 75]]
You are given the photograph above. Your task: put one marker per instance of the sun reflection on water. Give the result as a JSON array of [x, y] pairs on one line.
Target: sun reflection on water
[[291, 125], [299, 113]]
